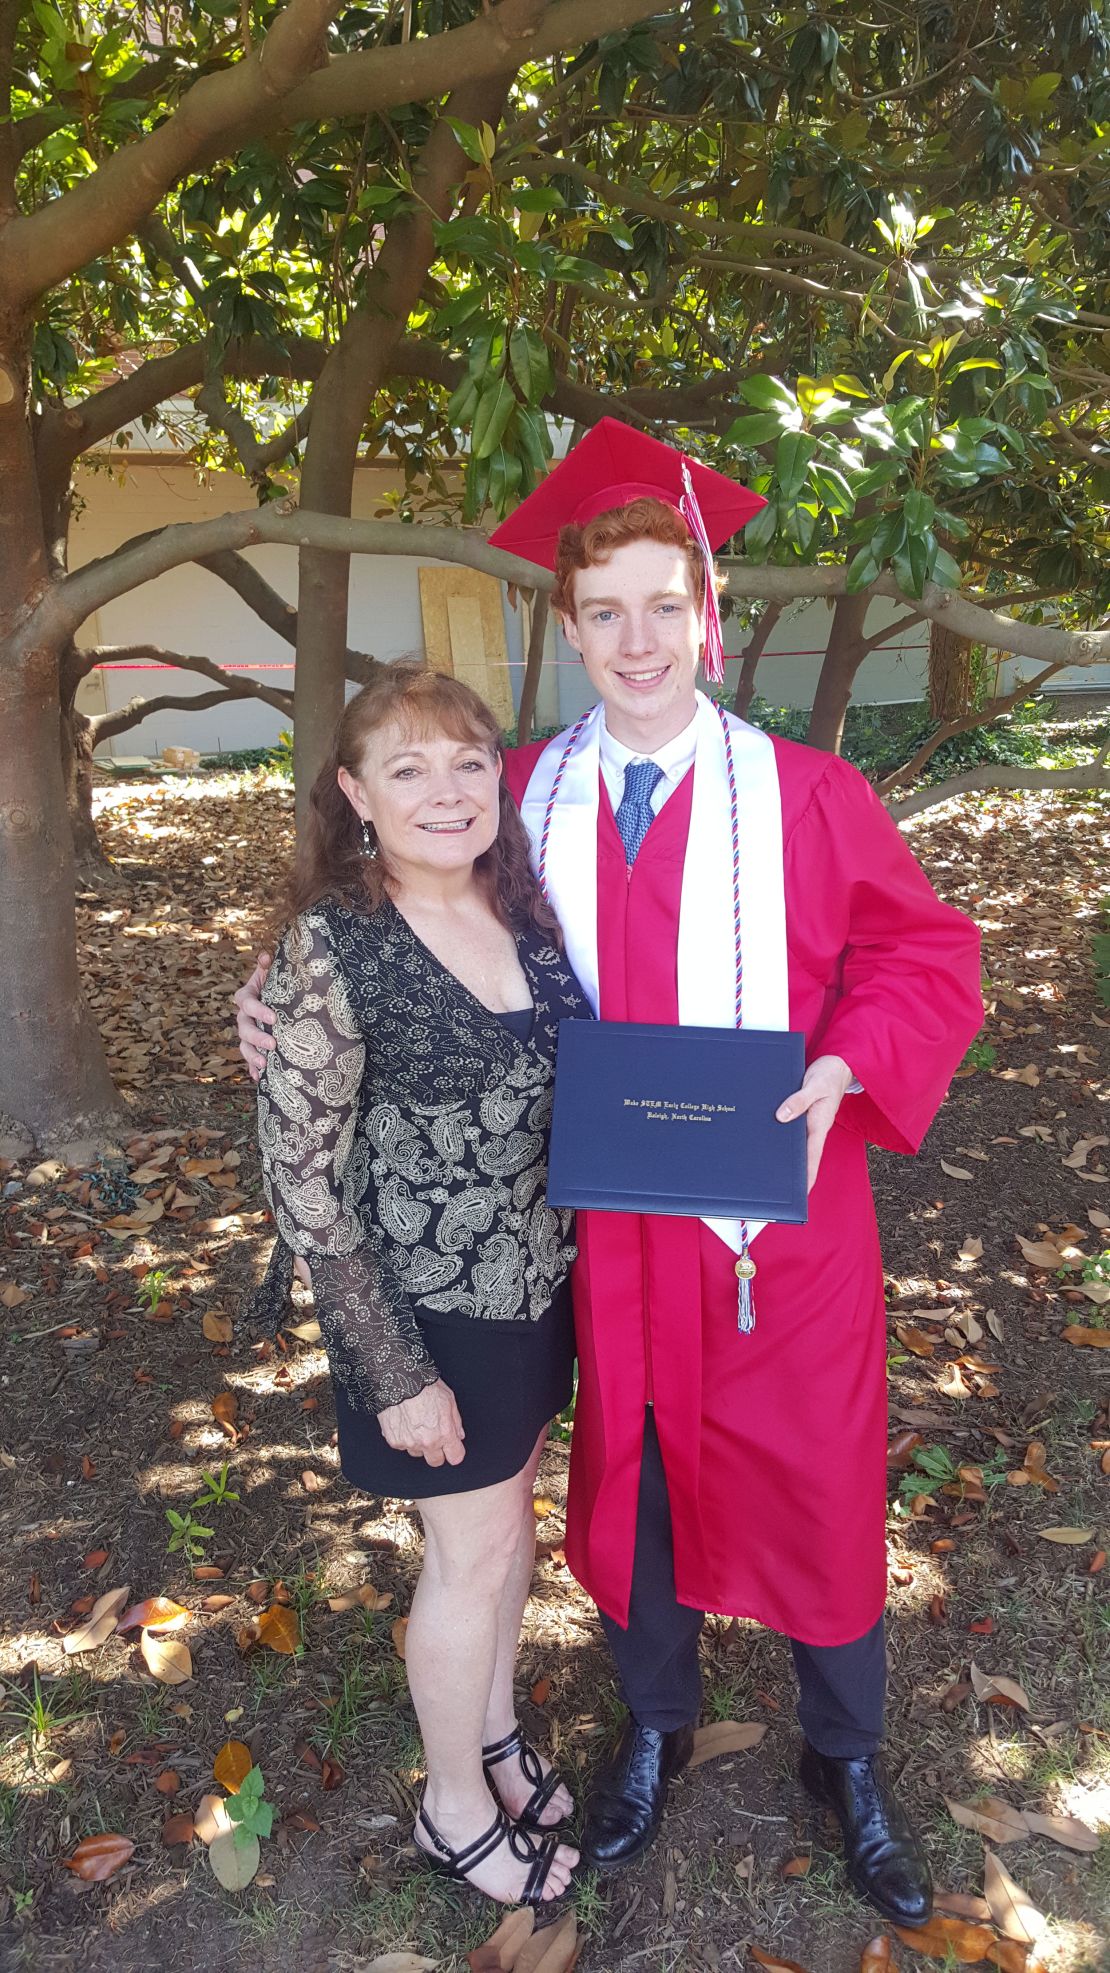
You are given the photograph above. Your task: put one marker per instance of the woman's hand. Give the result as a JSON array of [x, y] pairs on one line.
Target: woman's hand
[[824, 1086], [427, 1426], [255, 1020]]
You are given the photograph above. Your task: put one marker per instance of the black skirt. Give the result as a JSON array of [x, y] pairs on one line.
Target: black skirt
[[509, 1380]]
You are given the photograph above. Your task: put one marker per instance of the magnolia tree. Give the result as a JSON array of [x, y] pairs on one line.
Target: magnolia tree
[[863, 264]]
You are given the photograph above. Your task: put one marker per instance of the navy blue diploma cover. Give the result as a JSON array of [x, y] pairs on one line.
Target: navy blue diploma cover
[[677, 1120]]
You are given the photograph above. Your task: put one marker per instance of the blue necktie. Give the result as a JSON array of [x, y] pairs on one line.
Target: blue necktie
[[635, 814]]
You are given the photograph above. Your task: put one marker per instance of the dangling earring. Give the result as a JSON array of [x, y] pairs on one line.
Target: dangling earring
[[369, 849]]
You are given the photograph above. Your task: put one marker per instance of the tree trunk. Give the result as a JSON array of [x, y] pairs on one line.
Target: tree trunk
[[92, 868], [529, 691], [949, 673], [54, 1077], [756, 645], [843, 657], [352, 374]]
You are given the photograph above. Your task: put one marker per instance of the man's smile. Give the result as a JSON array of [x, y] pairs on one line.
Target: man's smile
[[639, 679]]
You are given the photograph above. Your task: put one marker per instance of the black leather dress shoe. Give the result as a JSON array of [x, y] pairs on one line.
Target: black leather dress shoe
[[625, 1805], [885, 1858]]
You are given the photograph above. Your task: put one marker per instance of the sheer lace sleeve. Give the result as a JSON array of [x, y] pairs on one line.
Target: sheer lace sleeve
[[313, 1168]]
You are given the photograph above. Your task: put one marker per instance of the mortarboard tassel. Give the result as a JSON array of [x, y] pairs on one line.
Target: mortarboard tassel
[[713, 657]]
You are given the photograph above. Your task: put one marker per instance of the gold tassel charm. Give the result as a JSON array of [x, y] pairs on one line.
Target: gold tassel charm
[[745, 1311]]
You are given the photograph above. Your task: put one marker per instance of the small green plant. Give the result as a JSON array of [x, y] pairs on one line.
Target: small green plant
[[187, 1534], [37, 1714], [153, 1286], [931, 1469], [22, 1902], [281, 756], [215, 1491], [981, 1055], [247, 1812], [1097, 1268]]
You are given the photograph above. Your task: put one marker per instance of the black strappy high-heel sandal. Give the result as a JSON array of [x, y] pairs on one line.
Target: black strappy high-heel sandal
[[543, 1785], [458, 1864]]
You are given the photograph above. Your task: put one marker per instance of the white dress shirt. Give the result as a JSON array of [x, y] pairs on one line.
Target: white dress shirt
[[675, 759]]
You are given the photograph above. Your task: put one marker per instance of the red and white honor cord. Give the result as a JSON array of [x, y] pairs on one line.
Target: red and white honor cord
[[745, 1266]]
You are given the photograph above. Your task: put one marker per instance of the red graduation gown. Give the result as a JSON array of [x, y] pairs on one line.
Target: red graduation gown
[[774, 1444]]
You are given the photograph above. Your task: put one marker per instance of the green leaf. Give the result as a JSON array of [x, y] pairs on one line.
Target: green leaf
[[755, 430], [919, 510], [531, 364], [759, 534], [463, 403], [768, 394], [469, 138], [911, 565], [792, 456], [834, 489], [889, 375], [495, 407], [861, 572], [946, 572]]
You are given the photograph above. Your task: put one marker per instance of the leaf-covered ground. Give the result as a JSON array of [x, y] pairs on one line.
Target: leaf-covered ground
[[127, 1375]]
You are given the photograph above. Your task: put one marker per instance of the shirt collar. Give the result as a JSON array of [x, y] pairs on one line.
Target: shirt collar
[[674, 759]]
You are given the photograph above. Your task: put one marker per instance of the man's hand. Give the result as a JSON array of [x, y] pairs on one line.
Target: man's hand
[[255, 1042], [427, 1426], [823, 1089]]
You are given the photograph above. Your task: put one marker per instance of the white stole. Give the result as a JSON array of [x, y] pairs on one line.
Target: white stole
[[706, 930]]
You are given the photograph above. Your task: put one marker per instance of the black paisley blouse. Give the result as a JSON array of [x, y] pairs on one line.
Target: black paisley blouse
[[403, 1136]]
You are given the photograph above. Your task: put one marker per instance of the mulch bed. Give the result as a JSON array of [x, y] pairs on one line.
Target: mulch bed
[[109, 1379]]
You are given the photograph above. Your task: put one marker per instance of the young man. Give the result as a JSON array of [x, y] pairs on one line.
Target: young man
[[707, 874]]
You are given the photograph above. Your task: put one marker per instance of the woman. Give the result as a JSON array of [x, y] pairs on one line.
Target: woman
[[403, 1119]]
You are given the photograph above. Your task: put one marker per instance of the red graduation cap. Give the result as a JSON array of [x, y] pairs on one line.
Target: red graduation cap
[[612, 465]]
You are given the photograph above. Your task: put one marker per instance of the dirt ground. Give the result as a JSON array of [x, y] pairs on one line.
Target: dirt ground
[[109, 1283]]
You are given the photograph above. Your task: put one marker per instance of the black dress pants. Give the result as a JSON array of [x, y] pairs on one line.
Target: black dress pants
[[841, 1687]]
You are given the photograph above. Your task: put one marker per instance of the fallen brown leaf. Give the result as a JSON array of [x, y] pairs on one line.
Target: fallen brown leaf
[[1064, 1829], [875, 1957], [99, 1624], [280, 1628], [499, 1951], [988, 1686], [992, 1817], [216, 1326], [1069, 1537], [97, 1858], [168, 1782], [168, 1658], [177, 1829], [155, 1613], [397, 1633], [773, 1963], [725, 1737], [945, 1937], [1088, 1339], [552, 1950], [232, 1765], [1013, 1911]]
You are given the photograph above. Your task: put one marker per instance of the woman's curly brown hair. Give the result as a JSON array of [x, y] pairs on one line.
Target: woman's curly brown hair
[[332, 862]]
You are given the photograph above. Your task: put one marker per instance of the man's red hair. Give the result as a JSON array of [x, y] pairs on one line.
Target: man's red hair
[[641, 520]]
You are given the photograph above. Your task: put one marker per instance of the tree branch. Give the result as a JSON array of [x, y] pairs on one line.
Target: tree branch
[[38, 251], [239, 688], [882, 637], [968, 722], [983, 780], [67, 603], [267, 91], [1042, 642], [750, 656], [273, 610], [106, 725], [632, 198]]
